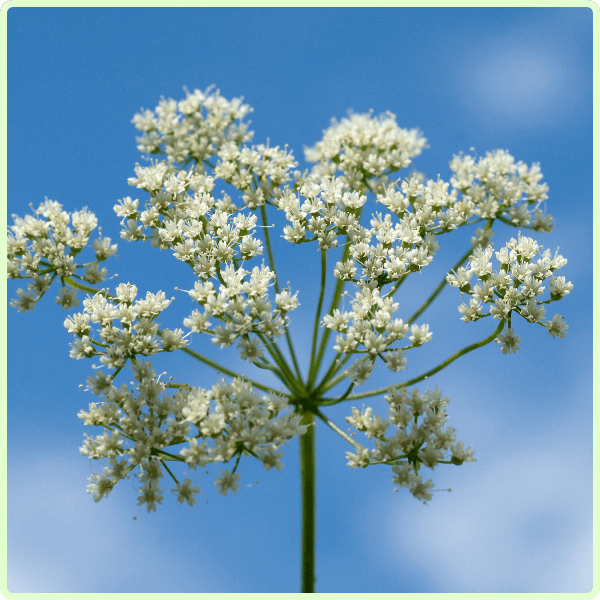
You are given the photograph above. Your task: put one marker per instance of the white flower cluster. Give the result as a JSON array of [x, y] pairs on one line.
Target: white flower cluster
[[363, 146], [201, 231], [195, 127], [138, 333], [502, 189], [397, 243], [242, 304], [516, 286], [257, 171], [370, 324], [213, 237], [217, 425], [201, 141], [43, 246], [420, 438]]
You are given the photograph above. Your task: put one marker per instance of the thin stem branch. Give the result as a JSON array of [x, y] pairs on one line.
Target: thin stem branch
[[288, 339], [283, 373], [443, 282], [223, 369], [427, 374], [336, 369], [346, 393], [333, 369], [169, 471], [314, 365], [337, 294], [265, 222], [81, 286], [335, 428], [439, 288]]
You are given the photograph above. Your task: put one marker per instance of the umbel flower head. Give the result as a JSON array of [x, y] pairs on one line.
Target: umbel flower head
[[209, 198]]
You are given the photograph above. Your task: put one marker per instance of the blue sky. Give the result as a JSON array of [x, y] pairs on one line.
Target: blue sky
[[517, 520]]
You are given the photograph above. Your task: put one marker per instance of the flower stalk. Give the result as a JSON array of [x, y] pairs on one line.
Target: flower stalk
[[308, 491]]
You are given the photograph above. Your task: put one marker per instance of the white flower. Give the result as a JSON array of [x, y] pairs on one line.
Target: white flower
[[480, 261], [404, 475], [510, 342], [430, 455], [151, 471], [227, 481], [25, 302], [459, 279], [420, 490], [270, 458], [285, 301], [559, 287], [82, 348], [100, 486], [501, 309], [67, 298], [460, 454], [95, 274], [127, 207], [196, 455], [471, 312], [360, 371], [150, 495], [250, 349], [353, 199], [533, 312], [98, 382], [103, 248], [420, 335], [224, 336], [395, 360], [360, 459], [171, 340], [345, 344], [557, 327], [186, 491], [197, 321]]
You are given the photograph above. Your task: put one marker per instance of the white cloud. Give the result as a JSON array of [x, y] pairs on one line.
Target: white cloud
[[519, 81], [522, 75], [60, 540], [511, 530]]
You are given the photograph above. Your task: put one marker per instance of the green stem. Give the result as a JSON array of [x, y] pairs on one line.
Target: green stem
[[314, 364], [308, 484], [336, 369], [288, 339], [337, 294], [169, 472], [346, 393], [263, 214], [439, 288], [333, 369], [225, 370], [442, 283], [265, 222], [335, 428], [283, 373], [82, 287], [427, 374]]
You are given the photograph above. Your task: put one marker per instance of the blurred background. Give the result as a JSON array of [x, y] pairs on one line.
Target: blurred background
[[517, 520]]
